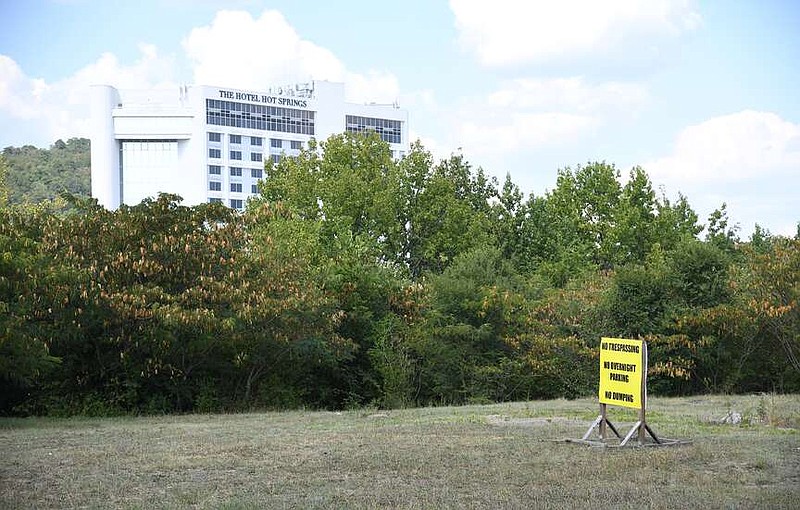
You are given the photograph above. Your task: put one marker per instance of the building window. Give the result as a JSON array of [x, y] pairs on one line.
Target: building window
[[254, 188], [214, 170], [214, 200], [236, 171], [256, 173], [236, 155], [265, 118], [236, 187], [255, 156], [214, 153], [235, 139], [214, 185], [214, 137], [276, 158], [236, 204], [256, 140], [389, 130], [297, 144], [276, 142]]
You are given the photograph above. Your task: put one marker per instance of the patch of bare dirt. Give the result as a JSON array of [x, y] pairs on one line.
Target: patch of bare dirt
[[507, 421]]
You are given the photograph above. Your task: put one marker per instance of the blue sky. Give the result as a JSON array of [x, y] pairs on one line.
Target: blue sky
[[703, 95]]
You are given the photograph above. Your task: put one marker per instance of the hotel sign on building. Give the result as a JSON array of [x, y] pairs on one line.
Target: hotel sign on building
[[263, 98]]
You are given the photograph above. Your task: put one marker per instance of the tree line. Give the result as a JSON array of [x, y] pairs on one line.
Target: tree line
[[357, 280]]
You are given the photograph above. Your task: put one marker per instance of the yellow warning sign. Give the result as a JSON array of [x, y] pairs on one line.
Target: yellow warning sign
[[622, 366]]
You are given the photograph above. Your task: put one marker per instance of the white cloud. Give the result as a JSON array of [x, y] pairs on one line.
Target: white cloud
[[571, 94], [19, 94], [61, 109], [236, 50], [374, 87], [522, 130], [239, 51], [749, 160], [529, 113], [736, 147], [507, 32]]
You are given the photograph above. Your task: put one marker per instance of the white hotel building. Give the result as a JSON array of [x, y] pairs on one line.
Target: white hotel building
[[209, 144]]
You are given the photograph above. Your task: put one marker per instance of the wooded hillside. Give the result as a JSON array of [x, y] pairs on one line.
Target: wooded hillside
[[37, 174]]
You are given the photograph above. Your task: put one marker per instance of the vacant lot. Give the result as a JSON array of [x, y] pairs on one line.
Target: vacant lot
[[496, 456]]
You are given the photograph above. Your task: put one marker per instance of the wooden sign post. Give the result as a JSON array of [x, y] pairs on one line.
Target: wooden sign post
[[623, 382]]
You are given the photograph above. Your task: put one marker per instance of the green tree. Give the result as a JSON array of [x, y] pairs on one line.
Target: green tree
[[471, 309], [719, 232], [415, 214], [700, 274], [634, 227], [748, 330], [554, 347], [639, 301], [761, 239], [288, 347], [35, 303], [353, 186], [507, 222], [448, 211], [583, 208], [4, 189], [675, 222], [152, 282], [772, 286]]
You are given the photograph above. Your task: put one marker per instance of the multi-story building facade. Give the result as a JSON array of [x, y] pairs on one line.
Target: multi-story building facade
[[209, 144]]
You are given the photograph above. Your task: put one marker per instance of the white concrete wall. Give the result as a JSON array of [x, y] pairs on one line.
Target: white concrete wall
[[167, 127], [104, 149]]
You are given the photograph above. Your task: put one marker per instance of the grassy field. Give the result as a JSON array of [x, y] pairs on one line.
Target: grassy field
[[495, 456]]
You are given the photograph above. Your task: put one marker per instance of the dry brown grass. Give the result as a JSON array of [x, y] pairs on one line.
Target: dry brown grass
[[497, 456]]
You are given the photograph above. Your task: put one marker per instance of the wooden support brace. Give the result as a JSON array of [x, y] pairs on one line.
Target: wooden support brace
[[598, 423], [592, 427], [613, 429], [652, 434], [630, 434]]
